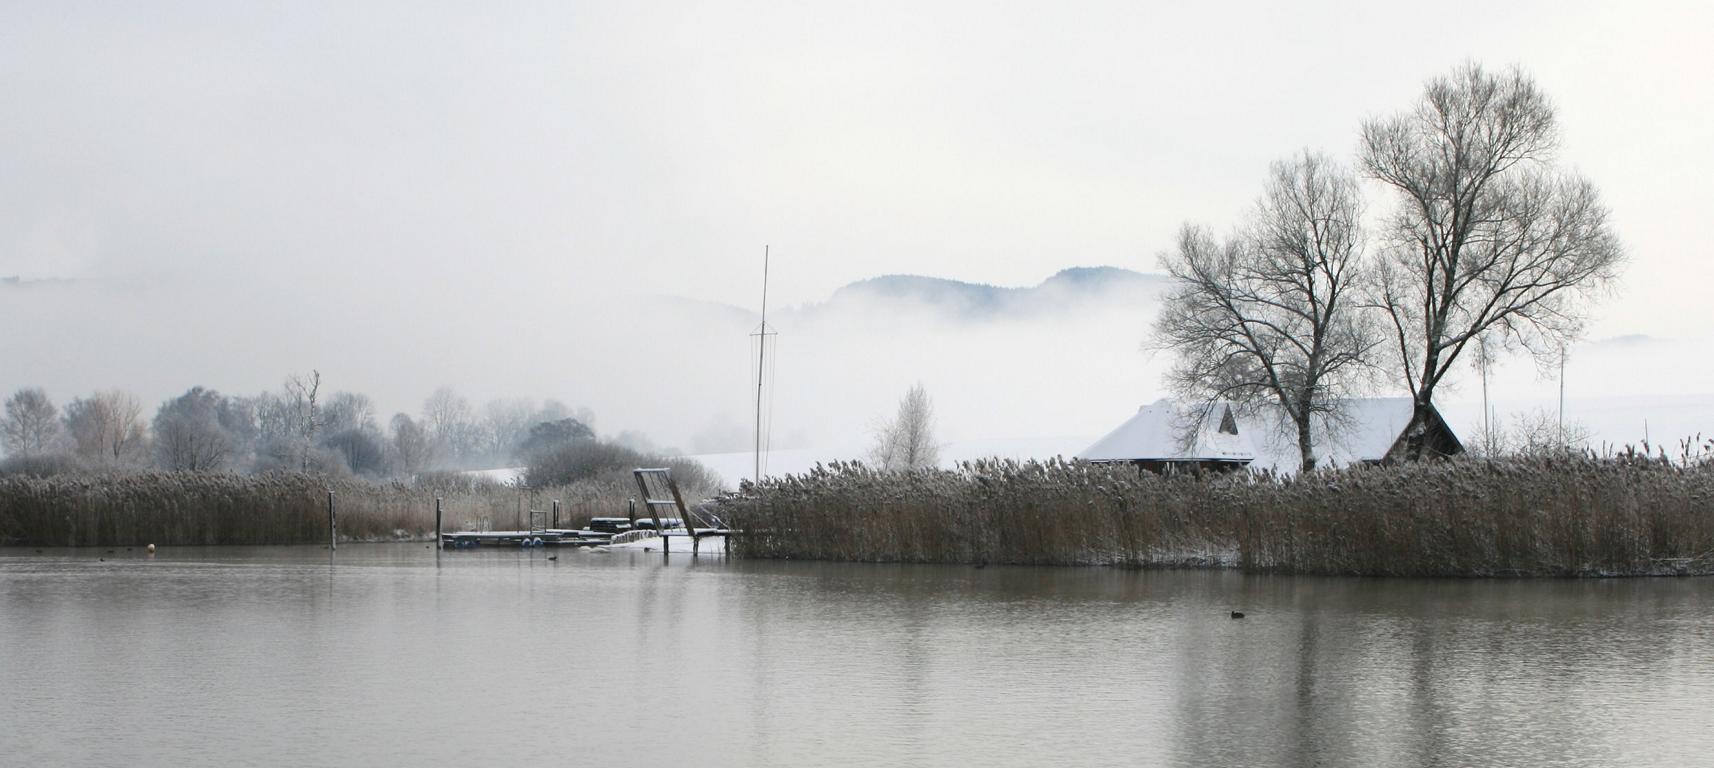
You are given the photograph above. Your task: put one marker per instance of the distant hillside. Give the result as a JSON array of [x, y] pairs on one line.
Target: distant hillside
[[937, 291], [1103, 278], [17, 281], [955, 297]]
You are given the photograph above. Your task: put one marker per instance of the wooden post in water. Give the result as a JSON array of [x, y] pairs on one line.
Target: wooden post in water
[[439, 541], [556, 513], [684, 515], [332, 524]]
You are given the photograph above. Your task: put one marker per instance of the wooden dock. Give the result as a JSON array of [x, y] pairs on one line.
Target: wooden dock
[[658, 491]]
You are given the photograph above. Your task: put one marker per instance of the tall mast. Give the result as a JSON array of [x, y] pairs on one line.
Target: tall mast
[[761, 357]]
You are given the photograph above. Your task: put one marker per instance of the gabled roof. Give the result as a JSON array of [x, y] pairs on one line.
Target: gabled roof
[[1156, 433]]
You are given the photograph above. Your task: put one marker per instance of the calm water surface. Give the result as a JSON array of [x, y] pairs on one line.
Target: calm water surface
[[384, 655]]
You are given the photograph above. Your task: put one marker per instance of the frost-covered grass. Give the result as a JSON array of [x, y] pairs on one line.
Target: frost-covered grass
[[1551, 516], [171, 508]]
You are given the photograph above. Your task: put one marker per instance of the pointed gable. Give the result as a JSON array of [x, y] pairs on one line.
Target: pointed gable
[[1158, 433]]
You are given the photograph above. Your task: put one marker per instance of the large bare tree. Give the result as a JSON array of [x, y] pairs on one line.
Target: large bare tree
[[31, 425], [907, 442], [1487, 235], [1270, 318]]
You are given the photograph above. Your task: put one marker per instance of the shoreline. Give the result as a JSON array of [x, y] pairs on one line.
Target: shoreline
[[1559, 517]]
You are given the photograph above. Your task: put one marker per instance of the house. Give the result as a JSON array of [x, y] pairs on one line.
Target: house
[[1156, 440], [1366, 430]]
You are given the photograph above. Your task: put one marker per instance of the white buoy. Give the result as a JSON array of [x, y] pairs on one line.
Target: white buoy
[[151, 549]]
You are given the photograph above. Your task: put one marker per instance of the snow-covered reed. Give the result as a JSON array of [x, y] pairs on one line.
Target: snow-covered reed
[[1544, 516]]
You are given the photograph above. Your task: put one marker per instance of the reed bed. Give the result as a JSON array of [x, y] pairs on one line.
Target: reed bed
[[1553, 516], [179, 508]]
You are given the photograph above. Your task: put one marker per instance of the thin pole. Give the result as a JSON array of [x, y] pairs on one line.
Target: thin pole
[[1562, 396], [556, 513], [761, 355], [1487, 425], [332, 524], [439, 541]]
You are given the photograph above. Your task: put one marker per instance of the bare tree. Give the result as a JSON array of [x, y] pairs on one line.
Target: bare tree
[[907, 442], [189, 435], [1487, 235], [32, 423], [107, 428], [410, 444], [273, 418], [508, 425], [346, 411], [237, 415], [305, 415], [451, 425], [1269, 318], [363, 451]]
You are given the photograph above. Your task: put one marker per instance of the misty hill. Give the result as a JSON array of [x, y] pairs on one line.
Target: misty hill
[[1076, 287], [956, 298], [20, 282]]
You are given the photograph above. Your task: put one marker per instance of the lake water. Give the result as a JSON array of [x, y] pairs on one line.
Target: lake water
[[386, 655]]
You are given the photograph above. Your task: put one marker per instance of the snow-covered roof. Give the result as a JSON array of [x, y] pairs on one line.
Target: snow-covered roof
[[1363, 429], [1157, 433]]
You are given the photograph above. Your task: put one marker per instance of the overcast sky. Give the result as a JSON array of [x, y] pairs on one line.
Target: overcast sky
[[365, 161], [662, 144]]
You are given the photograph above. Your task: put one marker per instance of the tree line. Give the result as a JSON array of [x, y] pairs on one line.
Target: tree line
[[300, 427], [1482, 239]]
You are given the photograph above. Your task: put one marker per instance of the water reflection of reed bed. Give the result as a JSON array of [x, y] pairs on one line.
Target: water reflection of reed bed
[[171, 508], [1580, 516]]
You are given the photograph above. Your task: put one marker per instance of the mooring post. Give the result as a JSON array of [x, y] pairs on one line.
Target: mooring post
[[556, 513], [332, 524], [439, 542]]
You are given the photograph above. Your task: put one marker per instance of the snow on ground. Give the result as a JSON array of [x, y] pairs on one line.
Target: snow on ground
[[711, 545], [504, 475]]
